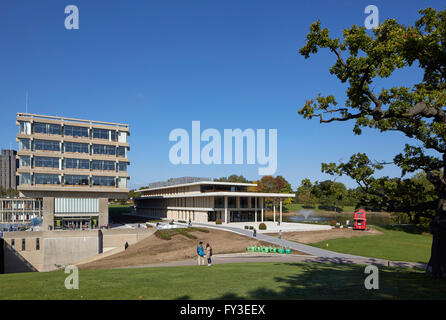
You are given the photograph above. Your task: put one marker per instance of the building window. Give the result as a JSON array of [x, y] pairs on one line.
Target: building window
[[121, 152], [219, 202], [77, 164], [23, 244], [46, 162], [103, 181], [47, 128], [104, 149], [243, 202], [100, 133], [25, 178], [253, 202], [122, 166], [40, 178], [232, 202], [122, 183], [24, 144], [25, 161], [75, 131], [37, 244], [25, 127], [76, 147], [102, 165], [46, 145], [74, 180]]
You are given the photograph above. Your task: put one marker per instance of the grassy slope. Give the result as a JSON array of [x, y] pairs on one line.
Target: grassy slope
[[225, 281], [392, 245]]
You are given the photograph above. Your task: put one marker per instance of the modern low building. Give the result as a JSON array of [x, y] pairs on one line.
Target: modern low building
[[206, 201], [74, 166], [18, 211], [8, 167]]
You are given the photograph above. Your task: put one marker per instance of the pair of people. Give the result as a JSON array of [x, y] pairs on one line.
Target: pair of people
[[201, 252]]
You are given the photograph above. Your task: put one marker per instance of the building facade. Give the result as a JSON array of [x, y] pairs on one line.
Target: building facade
[[8, 167], [207, 201], [74, 166]]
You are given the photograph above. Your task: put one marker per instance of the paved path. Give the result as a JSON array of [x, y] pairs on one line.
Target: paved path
[[322, 253]]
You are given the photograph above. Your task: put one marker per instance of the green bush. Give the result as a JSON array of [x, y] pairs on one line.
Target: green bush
[[246, 227], [218, 221], [182, 221], [333, 223], [262, 226], [251, 227]]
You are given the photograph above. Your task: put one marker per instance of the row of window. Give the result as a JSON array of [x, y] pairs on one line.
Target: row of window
[[24, 244], [75, 180], [72, 131], [73, 147], [50, 162], [219, 202]]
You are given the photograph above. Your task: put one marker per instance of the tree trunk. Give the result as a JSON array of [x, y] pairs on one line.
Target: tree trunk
[[437, 264]]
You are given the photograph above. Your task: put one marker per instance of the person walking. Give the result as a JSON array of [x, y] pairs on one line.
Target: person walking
[[254, 232], [200, 253], [209, 254], [280, 234], [126, 245]]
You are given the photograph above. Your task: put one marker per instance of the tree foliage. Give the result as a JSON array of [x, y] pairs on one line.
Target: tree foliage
[[361, 61]]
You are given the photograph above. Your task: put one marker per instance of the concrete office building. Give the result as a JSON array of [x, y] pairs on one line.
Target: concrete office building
[[8, 167], [206, 201], [74, 166]]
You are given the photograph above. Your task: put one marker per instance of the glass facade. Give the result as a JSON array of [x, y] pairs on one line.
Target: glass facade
[[76, 180], [103, 181], [76, 131], [219, 202], [77, 164], [40, 178], [46, 145], [76, 147], [102, 165], [25, 161], [24, 144], [47, 128], [104, 134], [104, 149], [122, 166], [25, 178], [46, 162]]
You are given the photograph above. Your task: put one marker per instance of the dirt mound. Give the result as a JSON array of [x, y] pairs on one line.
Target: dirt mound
[[180, 247]]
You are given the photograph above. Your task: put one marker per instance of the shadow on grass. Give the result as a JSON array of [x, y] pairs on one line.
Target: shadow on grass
[[409, 228], [346, 281]]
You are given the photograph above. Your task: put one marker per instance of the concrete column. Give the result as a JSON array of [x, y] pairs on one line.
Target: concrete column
[[261, 203], [226, 210], [47, 213], [103, 212], [255, 210], [280, 211], [274, 210]]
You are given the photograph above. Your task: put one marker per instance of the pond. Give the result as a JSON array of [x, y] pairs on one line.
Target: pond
[[325, 218]]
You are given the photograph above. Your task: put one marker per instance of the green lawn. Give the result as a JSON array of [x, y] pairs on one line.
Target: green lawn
[[394, 245], [226, 281]]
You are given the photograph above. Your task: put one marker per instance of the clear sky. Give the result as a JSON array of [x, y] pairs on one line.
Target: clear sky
[[159, 65]]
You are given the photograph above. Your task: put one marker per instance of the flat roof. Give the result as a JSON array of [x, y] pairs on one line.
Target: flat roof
[[240, 184], [224, 193], [44, 117]]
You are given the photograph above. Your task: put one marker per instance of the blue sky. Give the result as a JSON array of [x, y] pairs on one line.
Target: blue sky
[[159, 65]]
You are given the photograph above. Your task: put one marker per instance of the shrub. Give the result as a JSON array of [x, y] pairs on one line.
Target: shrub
[[251, 227], [182, 221], [333, 223], [246, 227], [262, 226], [218, 221]]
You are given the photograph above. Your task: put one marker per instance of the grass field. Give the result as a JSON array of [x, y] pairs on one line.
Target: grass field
[[226, 281], [396, 244]]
